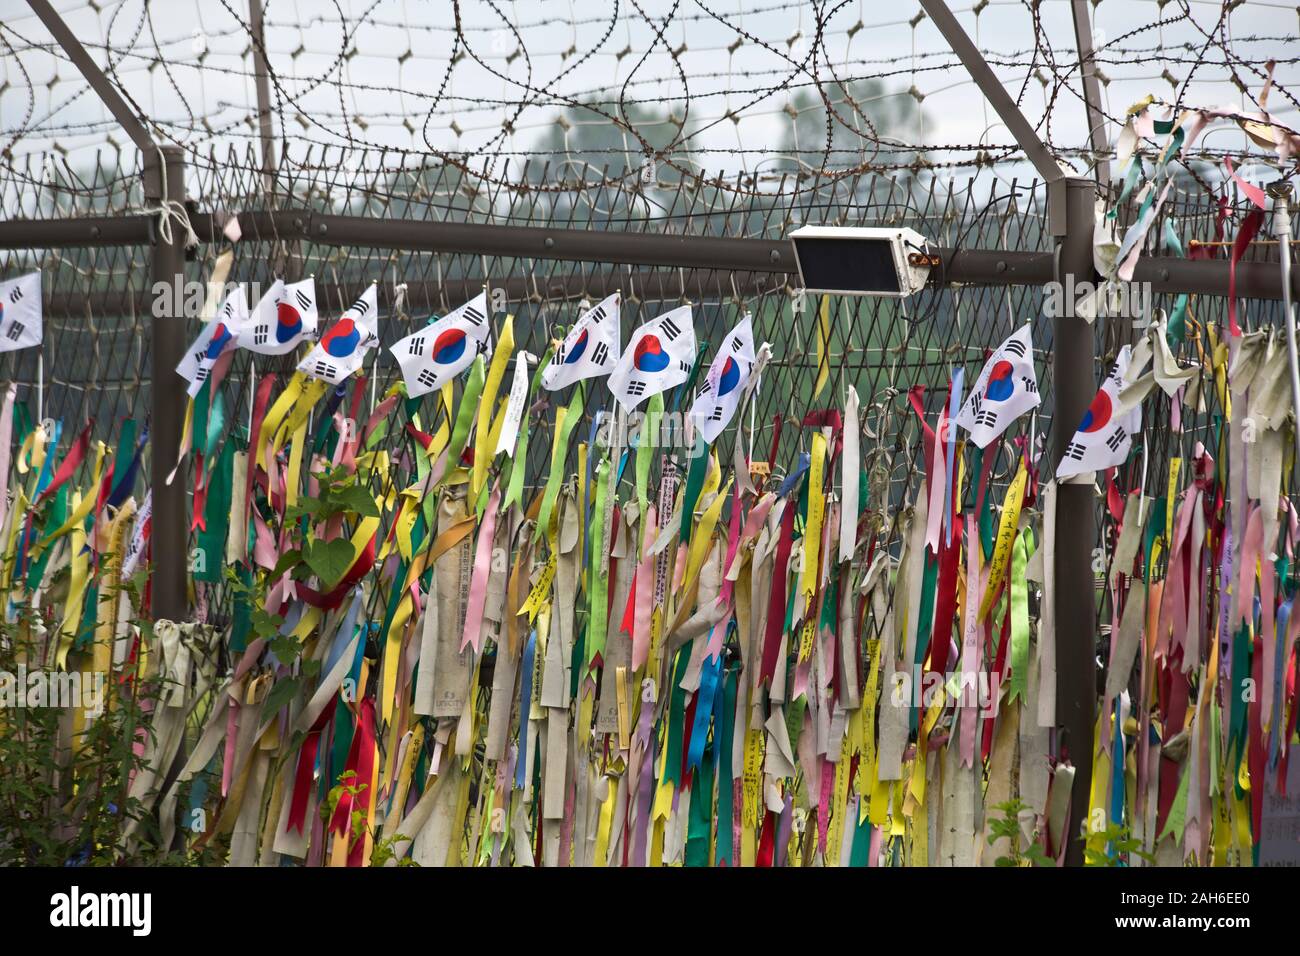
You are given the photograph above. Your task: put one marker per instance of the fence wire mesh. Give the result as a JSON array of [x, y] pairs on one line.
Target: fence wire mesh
[[100, 300]]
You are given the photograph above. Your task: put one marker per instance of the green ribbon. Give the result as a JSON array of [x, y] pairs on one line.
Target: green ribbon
[[199, 426], [519, 463], [1155, 529], [212, 538], [86, 633], [241, 619], [466, 415], [925, 620], [645, 445], [58, 514], [216, 424], [1017, 687], [724, 729], [701, 822], [676, 718], [694, 482], [558, 457], [125, 452], [598, 577], [1177, 327]]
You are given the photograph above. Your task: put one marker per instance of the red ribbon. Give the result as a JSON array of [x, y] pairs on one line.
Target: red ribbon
[[361, 761], [776, 605], [74, 458], [331, 599], [1245, 235], [302, 779]]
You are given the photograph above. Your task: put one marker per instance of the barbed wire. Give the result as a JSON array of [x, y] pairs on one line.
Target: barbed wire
[[492, 87]]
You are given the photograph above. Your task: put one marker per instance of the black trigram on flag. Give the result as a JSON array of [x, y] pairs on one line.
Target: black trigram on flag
[[736, 344], [976, 403], [417, 345], [360, 307], [636, 387], [201, 374], [15, 294], [1116, 439], [325, 370], [1075, 450], [260, 335], [481, 348], [1016, 347], [597, 315], [15, 330], [717, 414], [685, 367], [705, 388], [303, 301], [472, 315], [1030, 385], [427, 378], [599, 354], [986, 418], [670, 330]]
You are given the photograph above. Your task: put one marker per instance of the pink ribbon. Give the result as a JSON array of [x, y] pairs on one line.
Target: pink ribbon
[[482, 571], [643, 588]]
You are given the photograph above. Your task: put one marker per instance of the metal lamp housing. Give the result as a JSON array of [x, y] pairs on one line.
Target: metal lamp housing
[[860, 260]]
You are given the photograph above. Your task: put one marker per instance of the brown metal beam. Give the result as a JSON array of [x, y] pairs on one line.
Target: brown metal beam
[[168, 340], [1091, 90], [775, 257], [993, 90], [261, 75], [105, 90]]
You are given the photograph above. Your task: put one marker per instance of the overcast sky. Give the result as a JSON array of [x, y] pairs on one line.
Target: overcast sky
[[398, 53]]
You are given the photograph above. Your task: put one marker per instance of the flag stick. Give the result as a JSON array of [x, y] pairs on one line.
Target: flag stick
[[374, 382], [40, 384]]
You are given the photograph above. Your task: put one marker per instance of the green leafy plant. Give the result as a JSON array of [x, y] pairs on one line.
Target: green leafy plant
[[1008, 827], [65, 802], [1120, 845], [383, 849]]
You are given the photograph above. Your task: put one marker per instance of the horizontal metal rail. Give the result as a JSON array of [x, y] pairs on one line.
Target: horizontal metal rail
[[749, 257]]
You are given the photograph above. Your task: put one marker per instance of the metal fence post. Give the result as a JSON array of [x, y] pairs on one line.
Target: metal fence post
[[1076, 604], [164, 178]]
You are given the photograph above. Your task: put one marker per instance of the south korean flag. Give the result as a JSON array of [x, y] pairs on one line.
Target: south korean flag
[[1105, 437], [659, 355], [20, 313], [218, 337], [590, 350], [1005, 390], [443, 349], [719, 396], [343, 347], [284, 317]]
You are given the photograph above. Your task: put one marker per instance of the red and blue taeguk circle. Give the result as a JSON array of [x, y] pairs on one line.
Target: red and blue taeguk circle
[[650, 355], [220, 337], [729, 378], [288, 322], [449, 346], [1098, 414], [342, 338], [579, 347], [1001, 384]]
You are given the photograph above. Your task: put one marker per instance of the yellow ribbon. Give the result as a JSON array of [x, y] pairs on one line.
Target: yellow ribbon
[[1011, 505], [483, 445]]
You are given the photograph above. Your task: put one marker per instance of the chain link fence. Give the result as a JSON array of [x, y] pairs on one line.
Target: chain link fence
[[99, 299]]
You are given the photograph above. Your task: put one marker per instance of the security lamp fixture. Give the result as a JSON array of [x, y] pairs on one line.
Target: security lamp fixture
[[861, 260]]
